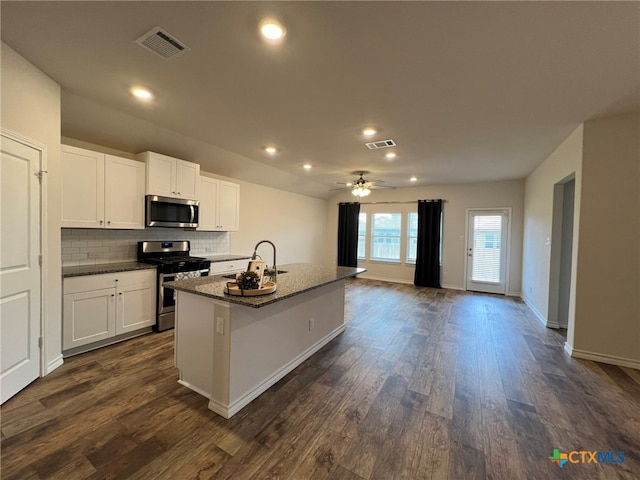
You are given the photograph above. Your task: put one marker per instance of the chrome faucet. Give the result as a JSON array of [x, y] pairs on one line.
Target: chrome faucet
[[274, 276]]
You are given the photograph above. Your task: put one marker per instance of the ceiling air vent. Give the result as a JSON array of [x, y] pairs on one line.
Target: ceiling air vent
[[162, 43], [381, 144]]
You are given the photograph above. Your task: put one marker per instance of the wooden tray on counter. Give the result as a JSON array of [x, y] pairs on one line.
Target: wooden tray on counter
[[233, 289]]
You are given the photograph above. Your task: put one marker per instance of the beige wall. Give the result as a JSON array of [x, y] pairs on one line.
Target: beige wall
[[458, 198], [294, 223], [566, 160], [608, 277], [31, 108]]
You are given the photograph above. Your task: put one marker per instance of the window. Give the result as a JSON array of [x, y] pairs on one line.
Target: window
[[362, 235], [487, 232], [412, 237], [385, 236]]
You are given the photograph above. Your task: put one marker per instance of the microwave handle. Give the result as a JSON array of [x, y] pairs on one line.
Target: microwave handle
[[193, 213]]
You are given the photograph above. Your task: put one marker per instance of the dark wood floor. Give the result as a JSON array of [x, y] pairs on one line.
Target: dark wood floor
[[424, 384]]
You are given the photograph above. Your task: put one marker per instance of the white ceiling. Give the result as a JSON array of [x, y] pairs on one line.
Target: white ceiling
[[470, 91]]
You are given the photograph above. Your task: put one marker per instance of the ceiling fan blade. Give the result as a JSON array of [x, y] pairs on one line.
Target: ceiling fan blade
[[382, 187]]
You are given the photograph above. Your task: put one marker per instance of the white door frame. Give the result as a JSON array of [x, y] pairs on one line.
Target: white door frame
[[509, 212], [44, 250]]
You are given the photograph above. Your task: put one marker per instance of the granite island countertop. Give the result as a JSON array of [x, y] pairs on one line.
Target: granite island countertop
[[300, 277], [102, 268]]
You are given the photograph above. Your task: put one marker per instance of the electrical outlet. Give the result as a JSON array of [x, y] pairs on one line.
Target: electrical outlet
[[93, 255], [220, 325], [312, 323]]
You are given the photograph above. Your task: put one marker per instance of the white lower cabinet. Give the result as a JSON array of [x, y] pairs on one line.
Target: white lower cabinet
[[99, 307]]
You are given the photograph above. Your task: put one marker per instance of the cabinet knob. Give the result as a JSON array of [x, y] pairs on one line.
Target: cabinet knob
[[113, 295], [119, 293], [109, 222], [101, 222]]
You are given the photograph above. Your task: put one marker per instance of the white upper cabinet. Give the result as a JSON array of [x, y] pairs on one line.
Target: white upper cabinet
[[123, 193], [101, 191], [82, 188], [171, 177], [219, 205], [229, 206]]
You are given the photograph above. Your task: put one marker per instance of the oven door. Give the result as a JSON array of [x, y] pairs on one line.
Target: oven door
[[167, 297]]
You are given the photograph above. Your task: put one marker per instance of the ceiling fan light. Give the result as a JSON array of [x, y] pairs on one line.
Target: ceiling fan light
[[360, 191]]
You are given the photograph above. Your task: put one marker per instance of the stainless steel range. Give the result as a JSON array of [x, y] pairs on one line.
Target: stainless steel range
[[174, 263]]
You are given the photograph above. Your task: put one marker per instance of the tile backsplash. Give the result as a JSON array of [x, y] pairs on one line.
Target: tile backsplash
[[89, 246]]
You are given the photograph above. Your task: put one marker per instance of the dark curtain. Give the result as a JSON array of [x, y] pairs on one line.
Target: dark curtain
[[348, 234], [428, 254]]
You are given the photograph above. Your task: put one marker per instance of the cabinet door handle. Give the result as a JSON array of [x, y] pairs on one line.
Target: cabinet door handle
[[101, 222], [113, 294], [109, 222], [119, 293]]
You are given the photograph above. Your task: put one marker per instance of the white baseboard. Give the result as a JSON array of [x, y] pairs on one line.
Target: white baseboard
[[535, 311], [453, 287], [227, 411], [53, 364], [194, 388], [514, 294], [568, 348], [603, 358]]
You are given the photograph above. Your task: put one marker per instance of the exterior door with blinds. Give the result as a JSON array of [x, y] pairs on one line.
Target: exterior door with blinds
[[487, 250]]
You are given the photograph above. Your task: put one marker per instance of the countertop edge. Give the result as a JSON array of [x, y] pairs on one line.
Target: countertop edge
[[104, 268]]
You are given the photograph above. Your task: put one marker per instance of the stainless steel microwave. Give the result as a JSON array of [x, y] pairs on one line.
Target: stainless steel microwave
[[172, 212]]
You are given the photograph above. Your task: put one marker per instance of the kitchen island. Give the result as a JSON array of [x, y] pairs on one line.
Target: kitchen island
[[231, 349]]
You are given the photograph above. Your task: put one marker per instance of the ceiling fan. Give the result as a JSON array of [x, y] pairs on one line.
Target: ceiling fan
[[361, 187]]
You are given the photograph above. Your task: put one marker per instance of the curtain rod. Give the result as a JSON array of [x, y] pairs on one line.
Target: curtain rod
[[394, 203]]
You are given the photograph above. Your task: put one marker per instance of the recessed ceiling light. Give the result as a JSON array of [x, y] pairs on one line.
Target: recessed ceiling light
[[271, 150], [390, 155], [307, 166], [141, 93], [272, 29], [413, 179], [369, 132]]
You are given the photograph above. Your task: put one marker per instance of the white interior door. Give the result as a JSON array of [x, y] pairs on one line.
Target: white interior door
[[487, 250], [19, 266]]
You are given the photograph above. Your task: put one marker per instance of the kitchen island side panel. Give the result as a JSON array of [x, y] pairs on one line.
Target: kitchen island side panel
[[267, 341], [194, 342]]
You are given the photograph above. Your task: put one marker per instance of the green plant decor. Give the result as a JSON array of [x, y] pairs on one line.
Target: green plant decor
[[248, 281]]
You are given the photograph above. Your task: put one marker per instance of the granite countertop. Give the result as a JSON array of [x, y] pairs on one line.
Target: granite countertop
[[300, 277], [102, 268], [224, 257]]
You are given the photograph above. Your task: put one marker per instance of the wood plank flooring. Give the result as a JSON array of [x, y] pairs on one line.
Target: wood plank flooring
[[423, 384]]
